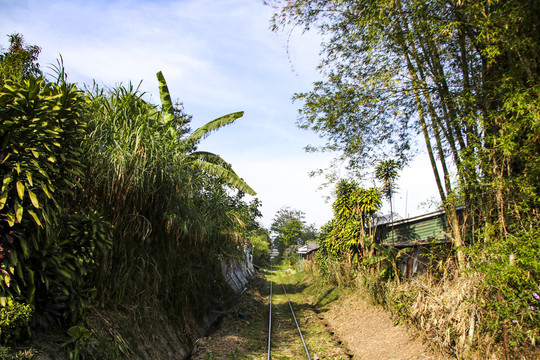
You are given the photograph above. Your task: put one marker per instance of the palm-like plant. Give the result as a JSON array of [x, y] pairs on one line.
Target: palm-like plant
[[388, 256], [387, 172]]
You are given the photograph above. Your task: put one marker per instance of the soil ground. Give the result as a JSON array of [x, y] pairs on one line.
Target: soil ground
[[336, 324]]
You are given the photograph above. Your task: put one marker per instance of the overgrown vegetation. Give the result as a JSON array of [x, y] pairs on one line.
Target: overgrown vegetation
[[463, 78], [14, 322], [106, 200]]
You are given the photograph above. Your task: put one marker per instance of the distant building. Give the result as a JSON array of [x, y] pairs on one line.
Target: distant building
[[308, 250]]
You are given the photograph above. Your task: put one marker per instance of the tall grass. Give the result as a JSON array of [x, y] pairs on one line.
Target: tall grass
[[172, 222]]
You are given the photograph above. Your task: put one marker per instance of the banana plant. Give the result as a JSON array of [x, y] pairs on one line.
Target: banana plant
[[202, 160]]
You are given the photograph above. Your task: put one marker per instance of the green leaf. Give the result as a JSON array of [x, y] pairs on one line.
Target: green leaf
[[224, 174], [20, 190], [79, 332], [45, 216], [32, 293], [45, 190], [30, 275], [6, 158], [24, 246], [36, 218], [33, 199], [166, 102], [29, 178], [3, 199], [18, 211], [65, 273], [213, 125], [6, 181], [13, 258]]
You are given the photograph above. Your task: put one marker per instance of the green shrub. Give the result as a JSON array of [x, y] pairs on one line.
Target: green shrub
[[14, 322], [512, 288], [49, 245]]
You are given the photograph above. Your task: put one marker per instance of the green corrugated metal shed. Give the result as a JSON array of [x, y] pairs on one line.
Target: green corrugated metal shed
[[421, 229]]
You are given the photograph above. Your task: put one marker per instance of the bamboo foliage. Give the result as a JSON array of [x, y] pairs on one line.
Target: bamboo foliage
[[454, 72]]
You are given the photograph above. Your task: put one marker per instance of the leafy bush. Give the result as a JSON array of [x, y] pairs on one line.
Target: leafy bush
[[48, 246], [260, 247], [512, 287], [66, 266], [14, 322], [40, 161]]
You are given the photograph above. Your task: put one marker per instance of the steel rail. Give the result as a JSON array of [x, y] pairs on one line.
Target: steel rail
[[269, 356], [294, 317], [270, 319]]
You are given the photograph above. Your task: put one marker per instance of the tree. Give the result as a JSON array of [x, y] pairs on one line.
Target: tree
[[387, 172], [351, 231], [19, 61], [461, 75], [289, 228], [310, 233], [260, 246]]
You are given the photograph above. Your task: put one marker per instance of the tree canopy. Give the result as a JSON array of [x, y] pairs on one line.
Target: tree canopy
[[289, 228], [19, 60], [461, 75]]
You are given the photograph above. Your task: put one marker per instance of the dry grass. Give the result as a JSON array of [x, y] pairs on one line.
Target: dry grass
[[446, 312], [450, 313]]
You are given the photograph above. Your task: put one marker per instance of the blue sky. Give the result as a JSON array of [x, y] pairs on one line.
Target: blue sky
[[218, 56]]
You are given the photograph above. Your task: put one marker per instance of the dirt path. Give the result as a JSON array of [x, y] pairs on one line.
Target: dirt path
[[370, 333], [367, 331], [336, 324]]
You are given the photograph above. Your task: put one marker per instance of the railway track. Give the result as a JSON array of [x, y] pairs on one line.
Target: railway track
[[271, 318]]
